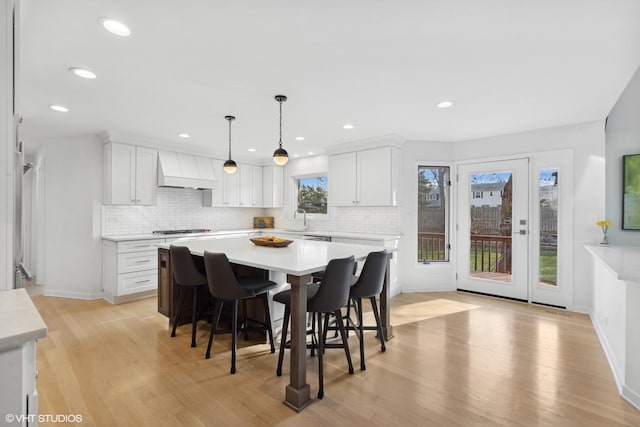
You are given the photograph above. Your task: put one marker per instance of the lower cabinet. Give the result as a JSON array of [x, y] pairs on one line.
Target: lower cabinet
[[129, 269]]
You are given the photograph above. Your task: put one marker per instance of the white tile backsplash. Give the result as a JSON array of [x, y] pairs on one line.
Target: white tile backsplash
[[382, 220], [176, 208], [180, 208]]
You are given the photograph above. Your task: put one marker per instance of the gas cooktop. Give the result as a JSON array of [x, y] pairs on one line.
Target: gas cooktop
[[188, 231]]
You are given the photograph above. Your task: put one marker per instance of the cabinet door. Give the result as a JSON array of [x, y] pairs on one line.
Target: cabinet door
[[256, 190], [374, 177], [246, 184], [121, 174], [146, 176], [342, 180], [231, 184], [272, 186], [215, 197]]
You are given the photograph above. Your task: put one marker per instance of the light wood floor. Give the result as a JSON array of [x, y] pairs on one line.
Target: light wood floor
[[456, 360]]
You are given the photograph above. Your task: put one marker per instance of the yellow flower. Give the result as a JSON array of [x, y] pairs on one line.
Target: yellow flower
[[604, 223]]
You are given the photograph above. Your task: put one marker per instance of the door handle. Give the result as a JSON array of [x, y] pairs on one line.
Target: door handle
[[520, 232]]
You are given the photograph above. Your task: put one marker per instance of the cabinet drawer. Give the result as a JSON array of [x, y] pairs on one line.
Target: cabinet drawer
[[137, 261], [137, 282], [138, 245]]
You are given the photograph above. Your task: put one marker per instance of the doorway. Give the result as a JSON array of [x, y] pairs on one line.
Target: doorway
[[493, 228], [514, 228]]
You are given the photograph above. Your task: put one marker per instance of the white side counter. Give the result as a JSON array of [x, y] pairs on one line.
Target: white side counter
[[615, 272], [20, 327]]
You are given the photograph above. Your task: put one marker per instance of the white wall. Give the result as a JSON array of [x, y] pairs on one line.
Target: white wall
[[6, 146], [70, 210], [623, 137]]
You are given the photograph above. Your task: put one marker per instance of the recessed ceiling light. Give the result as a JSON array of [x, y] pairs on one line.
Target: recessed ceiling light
[[253, 150], [299, 138], [310, 153], [348, 126], [83, 72], [296, 155], [184, 135], [59, 108], [444, 104], [115, 27]]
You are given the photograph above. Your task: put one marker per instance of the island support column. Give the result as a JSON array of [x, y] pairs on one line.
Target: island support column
[[298, 393]]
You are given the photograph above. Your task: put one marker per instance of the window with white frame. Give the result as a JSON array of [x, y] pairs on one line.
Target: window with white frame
[[433, 213], [311, 194]]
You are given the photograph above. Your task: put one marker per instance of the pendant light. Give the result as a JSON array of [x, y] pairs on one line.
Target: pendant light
[[230, 166], [280, 156]]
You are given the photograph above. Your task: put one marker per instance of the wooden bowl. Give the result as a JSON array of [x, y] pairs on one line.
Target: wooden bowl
[[280, 243]]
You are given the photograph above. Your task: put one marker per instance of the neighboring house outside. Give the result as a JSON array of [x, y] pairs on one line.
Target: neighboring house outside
[[487, 193]]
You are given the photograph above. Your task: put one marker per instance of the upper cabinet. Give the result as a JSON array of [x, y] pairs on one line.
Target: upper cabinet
[[241, 189], [130, 175], [250, 185], [272, 186], [365, 178]]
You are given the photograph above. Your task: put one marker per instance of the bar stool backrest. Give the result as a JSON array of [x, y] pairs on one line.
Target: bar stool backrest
[[184, 269], [372, 275], [221, 278], [334, 289]]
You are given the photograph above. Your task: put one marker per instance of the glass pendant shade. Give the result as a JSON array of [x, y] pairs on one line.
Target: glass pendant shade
[[280, 157], [230, 166]]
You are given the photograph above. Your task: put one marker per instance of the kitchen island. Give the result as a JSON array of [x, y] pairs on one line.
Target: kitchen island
[[298, 261]]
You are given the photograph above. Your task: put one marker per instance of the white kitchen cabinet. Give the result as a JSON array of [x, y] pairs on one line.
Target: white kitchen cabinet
[[365, 178], [272, 186], [250, 195], [129, 267], [231, 188], [130, 175], [245, 173], [256, 189]]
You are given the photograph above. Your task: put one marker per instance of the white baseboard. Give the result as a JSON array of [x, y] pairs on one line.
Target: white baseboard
[[71, 294], [618, 371], [631, 396]]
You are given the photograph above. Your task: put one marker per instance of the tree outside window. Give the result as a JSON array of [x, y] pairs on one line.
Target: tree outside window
[[312, 194], [433, 210]]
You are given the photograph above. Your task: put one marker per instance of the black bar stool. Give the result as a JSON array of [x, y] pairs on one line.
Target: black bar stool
[[369, 285], [226, 287], [186, 275]]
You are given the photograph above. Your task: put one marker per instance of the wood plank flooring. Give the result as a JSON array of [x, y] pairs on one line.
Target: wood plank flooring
[[456, 360]]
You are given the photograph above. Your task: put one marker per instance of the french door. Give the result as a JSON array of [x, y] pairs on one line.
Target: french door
[[493, 228]]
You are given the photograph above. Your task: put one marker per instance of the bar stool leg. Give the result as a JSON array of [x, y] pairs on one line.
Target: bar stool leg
[[214, 325], [376, 313], [234, 335], [361, 333], [320, 351], [178, 311], [265, 299], [283, 340], [194, 313], [339, 319]]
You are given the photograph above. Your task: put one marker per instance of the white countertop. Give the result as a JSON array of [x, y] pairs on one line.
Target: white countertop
[[299, 258], [20, 321], [623, 261], [268, 231]]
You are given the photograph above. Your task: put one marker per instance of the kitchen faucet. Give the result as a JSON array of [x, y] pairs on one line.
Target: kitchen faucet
[[305, 223]]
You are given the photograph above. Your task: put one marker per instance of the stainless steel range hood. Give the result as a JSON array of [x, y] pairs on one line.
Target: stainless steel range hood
[[185, 171]]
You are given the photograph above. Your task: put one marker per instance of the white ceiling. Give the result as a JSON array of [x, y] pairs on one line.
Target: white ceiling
[[510, 65]]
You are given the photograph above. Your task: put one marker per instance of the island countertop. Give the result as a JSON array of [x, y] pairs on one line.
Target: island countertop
[[300, 258], [20, 321]]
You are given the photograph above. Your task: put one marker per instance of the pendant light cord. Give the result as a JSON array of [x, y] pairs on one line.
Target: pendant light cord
[[229, 139], [280, 102]]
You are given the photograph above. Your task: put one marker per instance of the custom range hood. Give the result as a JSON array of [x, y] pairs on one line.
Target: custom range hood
[[185, 171]]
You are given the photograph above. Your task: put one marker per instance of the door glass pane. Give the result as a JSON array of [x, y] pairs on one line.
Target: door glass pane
[[490, 203], [548, 196], [433, 207]]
